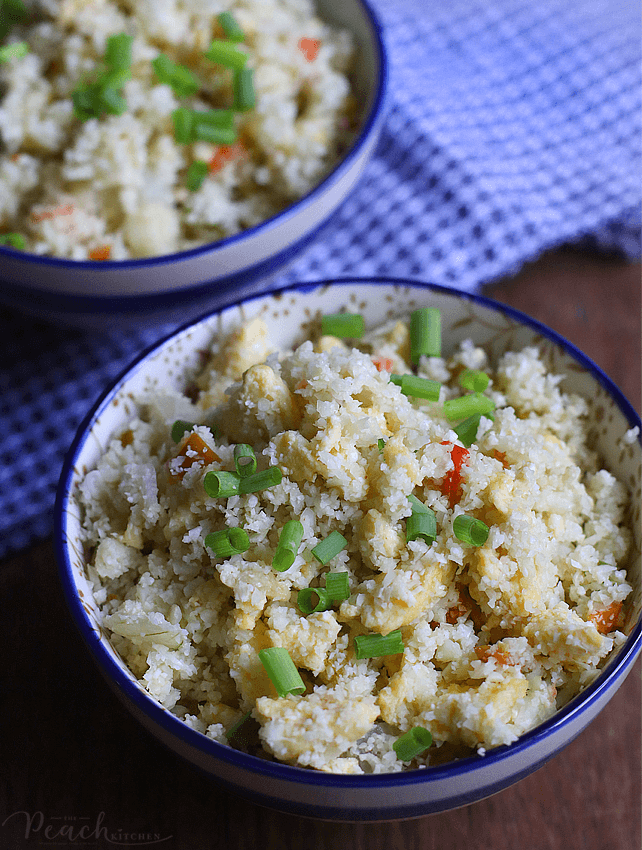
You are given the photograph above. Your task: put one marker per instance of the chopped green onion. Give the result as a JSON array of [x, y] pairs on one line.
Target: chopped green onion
[[233, 732], [11, 12], [229, 541], [14, 51], [421, 524], [412, 743], [180, 78], [470, 530], [208, 127], [118, 52], [13, 240], [243, 89], [180, 428], [467, 405], [281, 670], [467, 430], [396, 379], [245, 459], [306, 603], [220, 484], [425, 333], [183, 121], [260, 480], [337, 585], [381, 444], [416, 506], [111, 100], [372, 646], [413, 385], [230, 26], [224, 53], [328, 548], [196, 173], [473, 379], [343, 325], [289, 541]]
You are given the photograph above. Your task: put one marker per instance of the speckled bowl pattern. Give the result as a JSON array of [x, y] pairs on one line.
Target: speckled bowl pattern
[[181, 286], [289, 314]]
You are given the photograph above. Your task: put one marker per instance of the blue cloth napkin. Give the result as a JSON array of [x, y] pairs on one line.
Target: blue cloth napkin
[[513, 127]]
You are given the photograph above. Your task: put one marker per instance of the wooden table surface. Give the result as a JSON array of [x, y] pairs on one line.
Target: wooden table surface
[[73, 757]]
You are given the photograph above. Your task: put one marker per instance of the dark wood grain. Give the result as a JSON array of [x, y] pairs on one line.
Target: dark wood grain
[[73, 757]]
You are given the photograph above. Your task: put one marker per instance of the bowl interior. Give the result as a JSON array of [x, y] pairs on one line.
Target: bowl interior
[[289, 315]]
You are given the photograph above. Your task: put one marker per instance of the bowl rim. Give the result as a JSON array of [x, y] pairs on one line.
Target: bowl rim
[[370, 125], [607, 680]]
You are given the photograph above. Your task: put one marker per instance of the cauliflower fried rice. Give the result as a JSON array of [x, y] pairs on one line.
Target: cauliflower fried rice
[[496, 637], [117, 186]]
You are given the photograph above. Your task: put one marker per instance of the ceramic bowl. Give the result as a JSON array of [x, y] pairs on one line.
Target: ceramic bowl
[[364, 797], [177, 287]]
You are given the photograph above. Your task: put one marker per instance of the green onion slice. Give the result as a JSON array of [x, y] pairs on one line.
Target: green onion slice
[[467, 405], [14, 51], [473, 379], [220, 484], [470, 530], [13, 240], [425, 333], [11, 12], [281, 670], [196, 173], [245, 459], [412, 743], [260, 480], [372, 646], [227, 54], [337, 586], [381, 444], [328, 548], [183, 120], [421, 524], [416, 506], [229, 541], [180, 78], [118, 51], [243, 90], [311, 600], [413, 385], [397, 380], [180, 428], [205, 129], [233, 732], [231, 27], [467, 430], [349, 325], [289, 541]]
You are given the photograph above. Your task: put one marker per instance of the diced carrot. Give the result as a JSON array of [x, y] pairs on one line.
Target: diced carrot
[[606, 619], [383, 364], [451, 486], [466, 606], [63, 209], [103, 252], [501, 656], [191, 450], [309, 47], [501, 457], [225, 154]]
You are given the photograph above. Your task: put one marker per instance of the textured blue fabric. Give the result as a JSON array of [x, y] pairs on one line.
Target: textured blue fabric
[[513, 127]]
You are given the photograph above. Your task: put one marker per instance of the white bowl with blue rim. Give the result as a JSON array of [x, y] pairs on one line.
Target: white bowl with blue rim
[[180, 286], [497, 328]]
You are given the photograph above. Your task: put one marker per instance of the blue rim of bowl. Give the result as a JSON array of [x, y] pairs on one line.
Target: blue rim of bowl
[[371, 124], [614, 671]]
